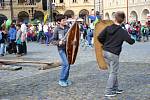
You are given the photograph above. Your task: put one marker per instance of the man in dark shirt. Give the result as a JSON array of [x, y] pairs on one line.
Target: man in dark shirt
[[112, 38]]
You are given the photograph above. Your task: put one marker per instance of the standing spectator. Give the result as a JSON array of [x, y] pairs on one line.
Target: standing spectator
[[85, 27], [138, 33], [2, 42], [12, 38], [45, 29], [89, 36], [40, 32], [127, 26], [23, 37], [145, 32], [18, 40], [134, 33]]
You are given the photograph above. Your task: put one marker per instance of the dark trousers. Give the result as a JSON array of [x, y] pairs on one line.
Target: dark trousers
[[24, 47], [12, 47], [20, 48]]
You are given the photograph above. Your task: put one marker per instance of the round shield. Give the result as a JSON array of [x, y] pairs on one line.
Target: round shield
[[73, 43], [98, 46]]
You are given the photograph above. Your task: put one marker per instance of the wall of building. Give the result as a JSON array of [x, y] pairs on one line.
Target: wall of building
[[76, 7], [137, 9]]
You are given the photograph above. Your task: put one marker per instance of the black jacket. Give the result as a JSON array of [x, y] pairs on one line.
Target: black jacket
[[112, 38], [3, 38]]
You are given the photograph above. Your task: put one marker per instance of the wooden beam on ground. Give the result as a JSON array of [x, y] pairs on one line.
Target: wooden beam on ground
[[46, 65], [3, 61]]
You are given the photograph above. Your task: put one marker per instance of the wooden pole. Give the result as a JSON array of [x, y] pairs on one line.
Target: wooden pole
[[99, 6], [11, 10], [50, 10], [94, 6]]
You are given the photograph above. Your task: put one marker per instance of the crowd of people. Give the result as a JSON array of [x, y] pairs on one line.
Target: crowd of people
[[13, 39], [138, 32]]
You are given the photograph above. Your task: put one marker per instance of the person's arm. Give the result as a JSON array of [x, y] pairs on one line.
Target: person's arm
[[55, 40], [128, 38], [102, 36]]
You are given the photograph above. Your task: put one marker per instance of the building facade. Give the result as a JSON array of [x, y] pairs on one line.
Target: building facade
[[99, 6], [135, 10], [27, 9], [22, 9]]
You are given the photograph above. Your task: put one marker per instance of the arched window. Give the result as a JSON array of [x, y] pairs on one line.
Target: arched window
[[61, 1]]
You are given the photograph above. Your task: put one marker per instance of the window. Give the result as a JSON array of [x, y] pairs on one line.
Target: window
[[74, 1], [21, 1], [132, 1], [85, 0], [61, 1], [1, 3], [53, 1]]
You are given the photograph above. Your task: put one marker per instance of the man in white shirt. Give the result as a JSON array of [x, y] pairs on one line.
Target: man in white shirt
[[23, 37], [40, 32], [45, 29]]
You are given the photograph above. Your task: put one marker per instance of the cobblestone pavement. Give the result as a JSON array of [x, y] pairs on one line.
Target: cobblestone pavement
[[88, 81]]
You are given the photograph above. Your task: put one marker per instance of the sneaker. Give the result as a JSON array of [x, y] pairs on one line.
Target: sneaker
[[63, 83], [2, 54], [69, 82], [110, 95], [19, 55], [119, 91]]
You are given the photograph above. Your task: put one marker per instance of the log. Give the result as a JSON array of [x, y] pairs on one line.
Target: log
[[3, 61], [46, 65]]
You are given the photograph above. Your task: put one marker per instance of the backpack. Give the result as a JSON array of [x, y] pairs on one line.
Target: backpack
[[1, 35]]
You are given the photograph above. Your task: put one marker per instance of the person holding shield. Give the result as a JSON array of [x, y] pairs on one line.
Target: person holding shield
[[112, 38], [59, 40]]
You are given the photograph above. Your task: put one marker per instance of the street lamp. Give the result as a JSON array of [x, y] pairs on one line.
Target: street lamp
[[51, 8], [127, 9], [94, 5], [11, 10]]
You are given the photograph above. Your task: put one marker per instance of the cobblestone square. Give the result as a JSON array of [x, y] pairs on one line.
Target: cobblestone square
[[88, 80]]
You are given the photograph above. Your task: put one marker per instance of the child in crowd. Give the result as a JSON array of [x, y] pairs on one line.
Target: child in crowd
[[18, 40]]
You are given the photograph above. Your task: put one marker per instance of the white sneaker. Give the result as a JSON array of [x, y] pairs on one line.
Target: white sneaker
[[63, 84], [119, 91], [110, 95]]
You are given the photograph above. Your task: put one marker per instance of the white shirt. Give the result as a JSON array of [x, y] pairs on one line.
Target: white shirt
[[45, 28], [40, 27], [127, 26], [24, 28], [92, 25]]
